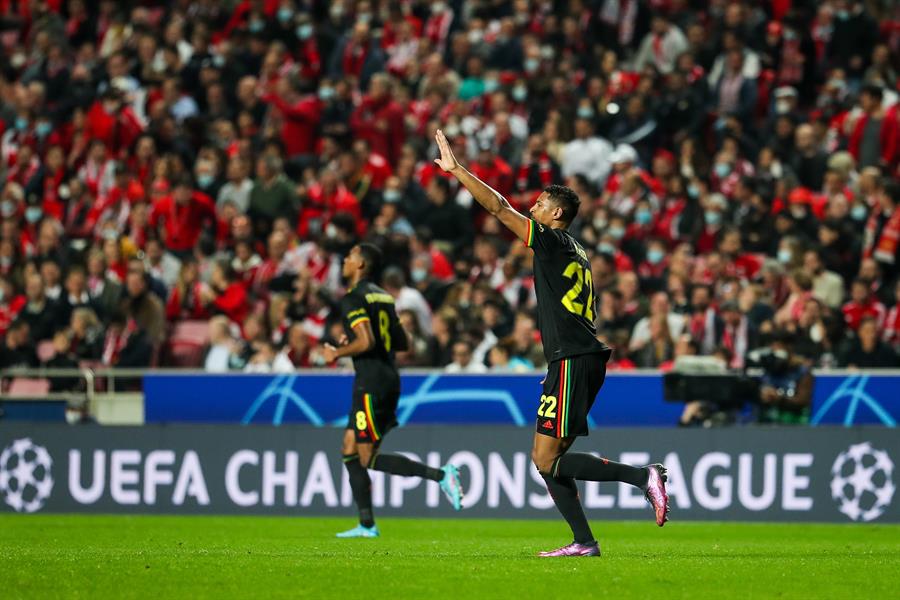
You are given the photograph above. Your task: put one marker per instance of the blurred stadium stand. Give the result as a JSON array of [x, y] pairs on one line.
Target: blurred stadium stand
[[180, 180]]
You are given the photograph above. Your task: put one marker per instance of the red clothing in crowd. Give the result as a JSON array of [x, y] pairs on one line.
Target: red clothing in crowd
[[648, 270], [437, 27], [889, 136], [309, 59], [233, 302], [111, 202], [620, 364], [498, 174], [299, 123], [744, 267], [378, 169], [182, 223], [9, 310], [118, 133], [708, 239], [623, 262], [883, 249], [427, 171], [389, 32], [891, 327], [241, 12], [614, 182], [52, 181], [854, 312], [22, 172], [440, 264], [322, 206], [354, 58], [667, 224], [380, 122], [192, 308], [541, 167]]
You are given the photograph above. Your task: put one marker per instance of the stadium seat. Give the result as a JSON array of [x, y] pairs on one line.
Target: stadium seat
[[26, 386], [187, 343]]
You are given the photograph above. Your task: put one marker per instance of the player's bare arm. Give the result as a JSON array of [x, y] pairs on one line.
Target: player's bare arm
[[363, 342], [492, 200]]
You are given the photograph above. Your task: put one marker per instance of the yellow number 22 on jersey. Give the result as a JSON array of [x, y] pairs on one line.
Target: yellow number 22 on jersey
[[583, 280]]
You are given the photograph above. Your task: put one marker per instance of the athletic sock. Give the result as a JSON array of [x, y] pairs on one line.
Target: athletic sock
[[397, 464], [587, 467], [362, 488], [565, 496]]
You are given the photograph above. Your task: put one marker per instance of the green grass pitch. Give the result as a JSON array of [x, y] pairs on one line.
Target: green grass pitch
[[161, 557]]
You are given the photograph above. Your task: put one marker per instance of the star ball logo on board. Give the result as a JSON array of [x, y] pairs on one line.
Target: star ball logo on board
[[862, 482], [26, 480]]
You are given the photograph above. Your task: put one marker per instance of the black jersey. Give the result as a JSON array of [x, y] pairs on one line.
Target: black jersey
[[368, 302], [564, 288]]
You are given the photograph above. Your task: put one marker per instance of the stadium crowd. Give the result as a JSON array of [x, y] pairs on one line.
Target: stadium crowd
[[737, 163]]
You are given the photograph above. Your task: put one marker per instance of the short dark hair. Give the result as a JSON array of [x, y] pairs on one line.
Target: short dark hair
[[228, 271], [442, 183], [566, 199], [865, 320], [873, 90], [371, 255], [185, 180], [393, 278]]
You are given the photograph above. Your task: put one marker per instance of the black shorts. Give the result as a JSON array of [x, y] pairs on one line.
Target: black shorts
[[374, 410], [569, 392]]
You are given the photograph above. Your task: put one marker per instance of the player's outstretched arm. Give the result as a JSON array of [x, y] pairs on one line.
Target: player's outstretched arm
[[485, 195]]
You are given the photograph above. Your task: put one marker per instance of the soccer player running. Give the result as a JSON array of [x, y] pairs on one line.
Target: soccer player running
[[576, 359], [373, 333]]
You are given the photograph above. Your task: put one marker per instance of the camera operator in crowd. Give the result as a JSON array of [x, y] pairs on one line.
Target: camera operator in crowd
[[786, 383]]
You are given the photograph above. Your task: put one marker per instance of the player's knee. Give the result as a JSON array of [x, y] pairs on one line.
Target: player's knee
[[348, 447], [543, 461]]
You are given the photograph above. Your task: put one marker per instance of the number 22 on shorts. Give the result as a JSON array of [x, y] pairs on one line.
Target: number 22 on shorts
[[547, 408]]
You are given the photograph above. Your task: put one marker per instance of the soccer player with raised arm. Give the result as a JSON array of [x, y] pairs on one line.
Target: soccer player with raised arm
[[576, 360], [373, 334]]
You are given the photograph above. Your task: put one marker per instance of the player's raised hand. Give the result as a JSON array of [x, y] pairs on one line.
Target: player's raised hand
[[447, 161]]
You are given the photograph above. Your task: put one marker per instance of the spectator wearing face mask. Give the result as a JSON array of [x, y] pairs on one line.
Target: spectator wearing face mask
[[714, 207], [654, 265]]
